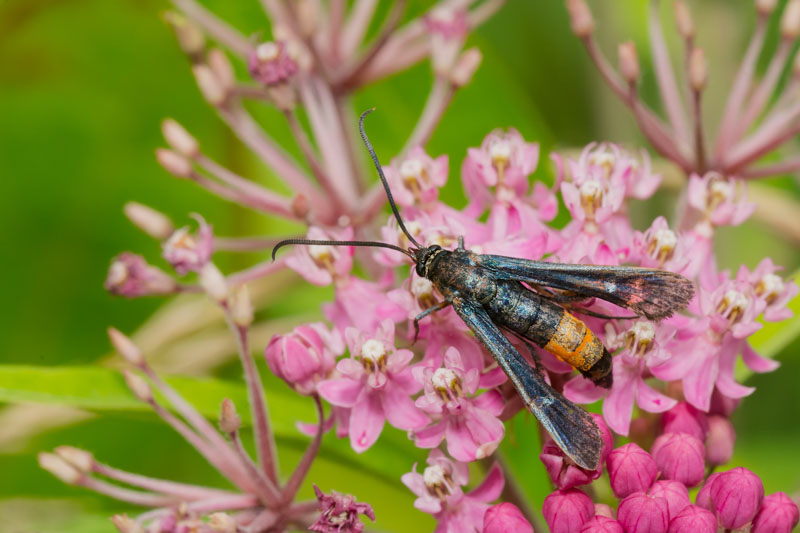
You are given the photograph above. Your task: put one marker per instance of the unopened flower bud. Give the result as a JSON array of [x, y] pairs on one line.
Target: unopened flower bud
[[630, 469], [629, 62], [642, 513], [190, 37], [790, 20], [59, 468], [174, 163], [222, 522], [210, 86], [80, 459], [683, 19], [505, 518], [213, 282], [693, 519], [229, 420], [685, 418], [698, 69], [125, 346], [468, 62], [719, 441], [778, 514], [179, 139], [126, 524], [602, 524], [674, 493], [241, 307], [271, 64], [735, 496], [765, 7], [680, 457], [566, 511], [703, 498], [129, 275], [152, 222], [580, 17], [138, 385], [221, 66], [305, 356]]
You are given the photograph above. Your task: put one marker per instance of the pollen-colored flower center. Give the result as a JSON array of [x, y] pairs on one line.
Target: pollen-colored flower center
[[422, 289], [500, 152], [414, 228], [733, 305], [662, 244], [182, 239], [438, 481], [373, 356], [322, 256], [605, 160], [769, 287], [413, 173], [591, 197], [639, 339], [268, 51], [719, 191], [447, 383]]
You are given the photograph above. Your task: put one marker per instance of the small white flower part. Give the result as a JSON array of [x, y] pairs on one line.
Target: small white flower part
[[421, 287], [411, 169], [770, 287], [662, 243], [117, 274], [444, 378], [268, 51], [733, 305], [438, 481], [604, 159], [500, 152], [373, 356]]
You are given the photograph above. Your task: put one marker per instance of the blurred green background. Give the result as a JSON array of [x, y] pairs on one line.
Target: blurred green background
[[84, 85]]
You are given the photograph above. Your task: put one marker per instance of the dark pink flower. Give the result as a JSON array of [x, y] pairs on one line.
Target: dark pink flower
[[675, 493], [376, 385], [719, 441], [469, 424], [630, 469], [642, 513], [271, 63], [602, 524], [680, 457], [563, 472], [505, 518], [417, 178], [305, 356], [565, 511], [685, 418], [778, 514], [131, 276], [735, 497], [188, 252], [439, 493], [339, 513], [693, 519]]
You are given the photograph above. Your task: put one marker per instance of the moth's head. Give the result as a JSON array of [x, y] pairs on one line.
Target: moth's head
[[423, 258]]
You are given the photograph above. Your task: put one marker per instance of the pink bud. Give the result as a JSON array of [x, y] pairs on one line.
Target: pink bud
[[628, 62], [152, 222], [179, 139], [602, 524], [703, 498], [684, 418], [605, 434], [719, 441], [676, 495], [271, 64], [210, 86], [778, 514], [640, 513], [126, 524], [566, 511], [305, 356], [698, 69], [131, 276], [174, 163], [630, 469], [680, 457], [735, 496], [581, 18], [505, 518], [693, 519]]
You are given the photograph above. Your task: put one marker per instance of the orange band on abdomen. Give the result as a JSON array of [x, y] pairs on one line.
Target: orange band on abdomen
[[575, 344]]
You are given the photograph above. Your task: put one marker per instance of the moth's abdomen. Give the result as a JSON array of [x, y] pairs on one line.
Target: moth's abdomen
[[579, 347]]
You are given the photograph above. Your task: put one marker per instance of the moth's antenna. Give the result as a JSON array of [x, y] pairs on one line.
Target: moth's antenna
[[341, 243], [383, 177]]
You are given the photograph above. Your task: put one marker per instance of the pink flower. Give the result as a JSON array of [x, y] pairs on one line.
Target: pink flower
[[720, 200], [469, 424], [417, 178], [566, 511], [563, 472], [305, 356], [734, 496], [773, 290], [660, 247], [339, 513], [680, 457], [447, 28], [321, 265], [376, 385], [601, 524], [505, 518], [187, 252], [362, 304], [439, 493], [778, 514], [131, 276], [720, 440], [630, 469], [685, 418], [674, 493], [607, 161], [643, 513], [271, 63], [693, 519]]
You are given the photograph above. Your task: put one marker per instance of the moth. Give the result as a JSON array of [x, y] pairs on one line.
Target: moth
[[493, 293]]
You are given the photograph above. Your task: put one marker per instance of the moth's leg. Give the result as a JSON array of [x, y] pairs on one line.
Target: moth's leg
[[461, 244], [438, 307]]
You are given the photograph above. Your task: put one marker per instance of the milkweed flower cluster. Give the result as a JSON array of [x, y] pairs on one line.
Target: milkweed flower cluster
[[368, 366]]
